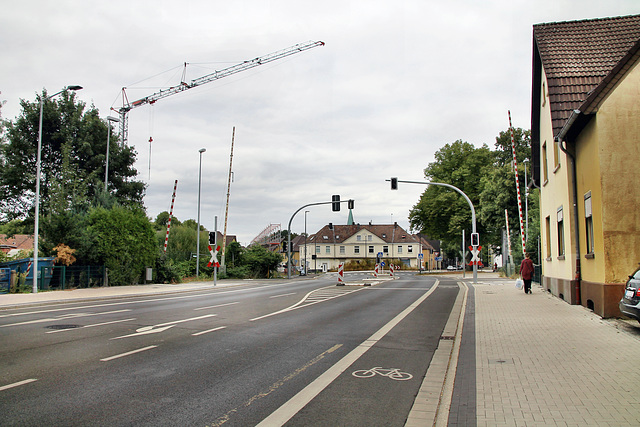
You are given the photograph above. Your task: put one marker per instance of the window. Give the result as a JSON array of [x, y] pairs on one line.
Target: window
[[385, 249], [342, 250], [359, 238], [560, 232], [556, 155], [545, 171], [399, 249], [370, 249], [588, 218], [317, 249], [327, 249], [548, 236], [356, 249], [370, 237], [410, 249]]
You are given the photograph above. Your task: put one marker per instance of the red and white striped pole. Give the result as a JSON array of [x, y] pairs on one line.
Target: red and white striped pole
[[173, 198], [515, 166], [341, 274], [391, 270], [375, 271]]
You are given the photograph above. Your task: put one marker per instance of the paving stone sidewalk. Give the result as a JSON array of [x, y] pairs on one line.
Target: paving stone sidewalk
[[543, 362]]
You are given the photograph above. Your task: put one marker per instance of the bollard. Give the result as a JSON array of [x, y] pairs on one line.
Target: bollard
[[341, 274]]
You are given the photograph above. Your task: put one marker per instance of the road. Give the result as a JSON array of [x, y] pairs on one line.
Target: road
[[297, 352]]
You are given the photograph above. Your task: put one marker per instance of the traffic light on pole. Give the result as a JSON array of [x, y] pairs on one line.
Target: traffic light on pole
[[335, 203], [394, 183], [351, 203], [475, 239]]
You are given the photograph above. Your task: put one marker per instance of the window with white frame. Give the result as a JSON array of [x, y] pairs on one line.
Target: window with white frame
[[399, 249], [588, 218], [317, 249], [356, 249], [370, 249], [327, 249], [385, 249], [342, 250], [410, 249], [560, 232]]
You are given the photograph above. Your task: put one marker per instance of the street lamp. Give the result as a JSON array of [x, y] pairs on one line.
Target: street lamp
[[106, 168], [38, 172], [305, 242], [202, 150]]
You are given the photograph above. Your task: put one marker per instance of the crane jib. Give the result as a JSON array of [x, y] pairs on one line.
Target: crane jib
[[216, 75]]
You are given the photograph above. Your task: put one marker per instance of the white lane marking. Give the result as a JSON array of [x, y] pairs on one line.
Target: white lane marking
[[224, 418], [128, 353], [207, 331], [309, 301], [283, 295], [161, 327], [92, 326], [304, 396], [18, 384], [64, 317], [144, 300], [216, 306]]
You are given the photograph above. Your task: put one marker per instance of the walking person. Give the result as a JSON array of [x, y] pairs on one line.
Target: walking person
[[526, 272]]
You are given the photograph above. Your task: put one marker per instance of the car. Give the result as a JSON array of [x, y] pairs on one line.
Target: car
[[451, 267], [630, 302]]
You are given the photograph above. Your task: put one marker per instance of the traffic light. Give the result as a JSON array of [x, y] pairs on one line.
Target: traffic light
[[212, 238], [350, 203], [475, 239], [394, 183], [335, 203]]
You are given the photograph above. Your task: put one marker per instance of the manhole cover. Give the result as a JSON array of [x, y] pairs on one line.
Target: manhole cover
[[63, 326], [447, 337]]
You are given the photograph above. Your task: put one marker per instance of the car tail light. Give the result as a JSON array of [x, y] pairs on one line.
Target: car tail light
[[638, 292]]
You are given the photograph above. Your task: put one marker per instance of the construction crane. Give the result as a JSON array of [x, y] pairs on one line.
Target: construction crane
[[216, 75]]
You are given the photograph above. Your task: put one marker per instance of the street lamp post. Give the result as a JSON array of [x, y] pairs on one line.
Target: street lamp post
[[38, 172], [305, 242], [106, 167], [202, 150]]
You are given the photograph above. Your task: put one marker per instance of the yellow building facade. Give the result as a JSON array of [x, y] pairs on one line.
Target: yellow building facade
[[586, 154]]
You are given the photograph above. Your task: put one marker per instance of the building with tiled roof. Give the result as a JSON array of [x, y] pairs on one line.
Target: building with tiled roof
[[16, 243], [360, 244], [585, 131]]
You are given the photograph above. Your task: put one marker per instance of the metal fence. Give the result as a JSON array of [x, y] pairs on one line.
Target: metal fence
[[79, 276]]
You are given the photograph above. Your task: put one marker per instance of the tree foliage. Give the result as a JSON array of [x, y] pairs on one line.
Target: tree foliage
[[74, 143], [486, 176]]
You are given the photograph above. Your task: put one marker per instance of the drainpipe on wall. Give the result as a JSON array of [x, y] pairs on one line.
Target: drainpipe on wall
[[576, 223]]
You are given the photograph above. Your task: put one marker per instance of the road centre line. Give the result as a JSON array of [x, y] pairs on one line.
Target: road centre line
[[18, 384], [303, 397], [216, 306], [91, 326], [65, 317], [283, 295], [207, 331], [224, 418], [139, 301], [117, 356]]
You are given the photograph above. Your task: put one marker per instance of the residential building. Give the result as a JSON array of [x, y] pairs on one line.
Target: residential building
[[585, 131], [361, 244], [16, 243]]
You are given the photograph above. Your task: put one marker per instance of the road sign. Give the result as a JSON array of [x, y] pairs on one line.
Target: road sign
[[475, 251], [379, 254], [438, 258], [213, 262], [420, 256]]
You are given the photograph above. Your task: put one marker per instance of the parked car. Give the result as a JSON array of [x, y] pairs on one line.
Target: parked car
[[630, 302], [451, 267]]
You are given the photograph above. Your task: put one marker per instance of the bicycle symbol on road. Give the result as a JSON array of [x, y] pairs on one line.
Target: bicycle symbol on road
[[393, 373]]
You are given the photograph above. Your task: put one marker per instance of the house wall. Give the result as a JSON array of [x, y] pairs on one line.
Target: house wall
[[608, 157], [558, 271]]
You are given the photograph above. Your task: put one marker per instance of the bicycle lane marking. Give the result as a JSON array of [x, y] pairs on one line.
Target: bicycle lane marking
[[284, 413]]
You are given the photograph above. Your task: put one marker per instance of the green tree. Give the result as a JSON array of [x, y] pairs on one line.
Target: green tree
[[73, 155], [443, 213], [122, 239], [260, 261]]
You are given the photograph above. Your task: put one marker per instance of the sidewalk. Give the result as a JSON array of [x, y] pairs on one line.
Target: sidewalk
[[543, 362]]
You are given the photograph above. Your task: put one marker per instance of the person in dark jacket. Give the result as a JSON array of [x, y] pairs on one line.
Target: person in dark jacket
[[526, 272]]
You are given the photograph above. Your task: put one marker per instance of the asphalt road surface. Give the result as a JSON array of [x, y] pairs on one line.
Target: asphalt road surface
[[297, 352]]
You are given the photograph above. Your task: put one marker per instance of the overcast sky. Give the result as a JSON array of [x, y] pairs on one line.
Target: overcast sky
[[395, 82]]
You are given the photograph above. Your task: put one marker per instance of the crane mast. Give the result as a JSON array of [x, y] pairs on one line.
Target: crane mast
[[216, 75]]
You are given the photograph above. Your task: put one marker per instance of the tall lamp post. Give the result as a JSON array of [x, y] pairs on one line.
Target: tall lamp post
[[38, 172], [106, 168], [202, 150], [305, 242]]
